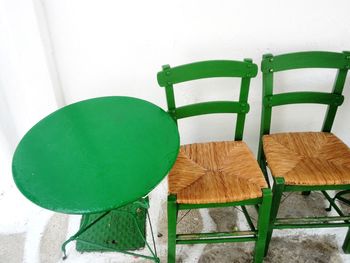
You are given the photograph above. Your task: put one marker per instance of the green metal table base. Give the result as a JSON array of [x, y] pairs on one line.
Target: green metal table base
[[113, 231], [94, 156]]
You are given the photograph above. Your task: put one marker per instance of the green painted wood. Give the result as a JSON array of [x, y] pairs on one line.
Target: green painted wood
[[214, 205], [210, 108], [300, 188], [263, 225], [309, 59], [209, 69], [338, 196], [243, 98], [215, 235], [346, 244], [199, 70], [96, 155], [303, 97], [248, 218], [172, 219], [332, 109], [326, 127], [266, 115], [269, 66], [170, 97], [313, 59], [266, 112], [321, 225], [206, 69], [320, 219], [215, 240], [333, 204], [277, 191]]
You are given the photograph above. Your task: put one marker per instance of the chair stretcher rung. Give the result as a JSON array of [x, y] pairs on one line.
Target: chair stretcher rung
[[313, 225], [235, 234], [215, 240], [280, 221], [205, 238]]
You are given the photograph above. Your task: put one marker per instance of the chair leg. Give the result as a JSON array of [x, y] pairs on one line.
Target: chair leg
[[263, 222], [262, 164], [277, 191], [172, 218], [346, 244]]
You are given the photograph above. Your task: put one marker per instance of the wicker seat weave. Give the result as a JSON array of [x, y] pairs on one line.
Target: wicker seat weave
[[215, 172], [308, 158]]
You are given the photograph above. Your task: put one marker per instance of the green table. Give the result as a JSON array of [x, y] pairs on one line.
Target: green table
[[95, 155]]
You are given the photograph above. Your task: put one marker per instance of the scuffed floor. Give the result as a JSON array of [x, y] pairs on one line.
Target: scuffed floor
[[312, 245], [321, 246], [283, 250], [11, 248]]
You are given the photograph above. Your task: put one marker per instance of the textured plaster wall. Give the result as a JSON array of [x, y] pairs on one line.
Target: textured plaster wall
[[116, 48]]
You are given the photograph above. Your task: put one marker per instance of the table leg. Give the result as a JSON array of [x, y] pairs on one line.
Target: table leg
[[154, 256], [85, 226]]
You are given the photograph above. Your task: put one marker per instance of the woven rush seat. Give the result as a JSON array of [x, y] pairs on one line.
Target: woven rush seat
[[308, 158], [215, 172]]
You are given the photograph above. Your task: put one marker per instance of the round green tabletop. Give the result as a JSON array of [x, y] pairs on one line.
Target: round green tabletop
[[96, 155]]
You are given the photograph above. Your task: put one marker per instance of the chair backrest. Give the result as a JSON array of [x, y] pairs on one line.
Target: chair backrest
[[315, 59], [210, 69]]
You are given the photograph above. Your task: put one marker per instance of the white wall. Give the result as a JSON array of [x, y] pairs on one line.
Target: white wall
[[26, 96], [116, 48], [61, 51]]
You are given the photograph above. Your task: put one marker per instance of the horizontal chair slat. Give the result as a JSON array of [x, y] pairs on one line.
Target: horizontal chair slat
[[210, 108], [303, 97], [206, 69], [312, 59]]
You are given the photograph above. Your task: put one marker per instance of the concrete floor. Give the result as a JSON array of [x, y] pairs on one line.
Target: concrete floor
[[287, 246]]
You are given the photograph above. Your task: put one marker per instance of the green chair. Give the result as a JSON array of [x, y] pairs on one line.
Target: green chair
[[305, 161], [215, 174]]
